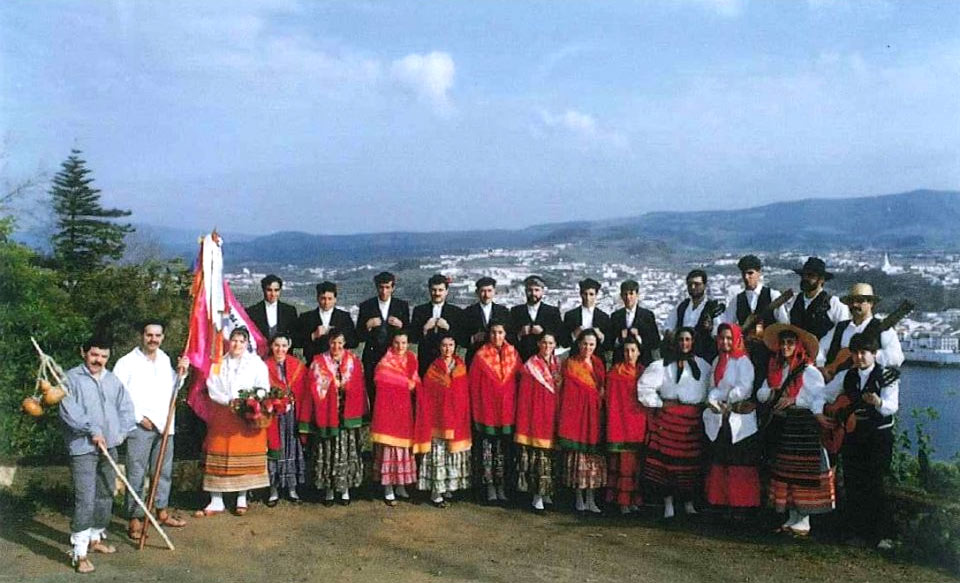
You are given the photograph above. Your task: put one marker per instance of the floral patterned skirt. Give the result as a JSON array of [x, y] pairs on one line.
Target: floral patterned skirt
[[441, 471]]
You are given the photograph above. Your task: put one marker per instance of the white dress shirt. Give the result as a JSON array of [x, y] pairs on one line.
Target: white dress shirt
[[150, 384], [325, 316], [271, 314], [486, 309], [735, 386], [812, 395], [437, 309], [237, 374], [837, 312], [890, 353], [753, 295], [586, 317], [889, 395], [629, 315], [384, 308], [533, 310], [658, 382]]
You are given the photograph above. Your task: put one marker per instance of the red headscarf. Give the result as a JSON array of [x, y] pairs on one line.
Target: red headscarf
[[738, 350], [799, 360]]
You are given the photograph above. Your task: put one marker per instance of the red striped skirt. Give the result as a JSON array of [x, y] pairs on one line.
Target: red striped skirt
[[800, 476], [393, 466], [674, 463]]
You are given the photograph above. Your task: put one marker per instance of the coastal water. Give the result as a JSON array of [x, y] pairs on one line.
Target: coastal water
[[922, 387]]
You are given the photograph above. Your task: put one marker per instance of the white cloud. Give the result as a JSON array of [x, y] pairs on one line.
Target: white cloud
[[428, 76], [583, 127]]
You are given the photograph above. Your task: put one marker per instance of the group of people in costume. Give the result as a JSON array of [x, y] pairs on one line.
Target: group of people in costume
[[731, 405]]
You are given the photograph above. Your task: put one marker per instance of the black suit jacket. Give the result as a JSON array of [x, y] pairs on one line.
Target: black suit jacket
[[428, 347], [377, 340], [574, 319], [472, 322], [548, 318], [646, 325], [339, 319], [286, 319]]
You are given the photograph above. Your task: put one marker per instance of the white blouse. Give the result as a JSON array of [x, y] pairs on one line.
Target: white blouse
[[811, 395], [659, 382], [736, 384], [237, 374]]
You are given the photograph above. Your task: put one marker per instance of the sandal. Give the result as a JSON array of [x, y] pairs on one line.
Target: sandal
[[240, 510], [83, 565], [134, 530], [206, 513], [172, 521], [390, 503], [98, 546]]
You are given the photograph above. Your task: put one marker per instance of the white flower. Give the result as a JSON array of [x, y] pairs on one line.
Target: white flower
[[261, 393]]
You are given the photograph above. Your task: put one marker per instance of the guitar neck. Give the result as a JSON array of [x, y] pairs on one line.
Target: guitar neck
[[891, 320]]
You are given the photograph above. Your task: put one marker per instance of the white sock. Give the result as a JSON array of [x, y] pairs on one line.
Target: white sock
[[216, 502], [402, 491], [97, 534], [689, 508], [538, 502], [80, 541], [437, 498], [501, 493], [292, 492], [591, 502], [328, 495], [579, 505], [625, 510], [274, 495], [791, 519], [388, 493], [491, 492], [803, 524], [345, 495], [668, 507], [241, 500]]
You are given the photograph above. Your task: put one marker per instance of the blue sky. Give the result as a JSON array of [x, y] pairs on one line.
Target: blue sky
[[334, 117]]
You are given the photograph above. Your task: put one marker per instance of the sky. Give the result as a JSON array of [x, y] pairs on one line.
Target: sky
[[343, 117]]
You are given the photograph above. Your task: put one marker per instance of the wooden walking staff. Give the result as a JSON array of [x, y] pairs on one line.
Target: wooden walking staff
[[116, 468], [155, 479]]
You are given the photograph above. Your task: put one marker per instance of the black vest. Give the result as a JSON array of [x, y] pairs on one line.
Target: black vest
[[835, 345], [813, 318], [743, 306], [704, 345], [866, 414]]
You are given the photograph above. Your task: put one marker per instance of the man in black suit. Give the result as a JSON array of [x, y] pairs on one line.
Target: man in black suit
[[379, 316], [432, 319], [632, 320], [533, 318], [270, 315], [476, 317], [314, 326], [586, 316]]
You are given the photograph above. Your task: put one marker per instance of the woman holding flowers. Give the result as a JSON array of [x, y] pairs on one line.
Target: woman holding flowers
[[391, 430], [332, 409], [285, 462], [235, 448]]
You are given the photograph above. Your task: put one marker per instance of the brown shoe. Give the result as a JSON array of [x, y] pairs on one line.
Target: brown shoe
[[98, 546], [165, 519], [134, 529], [83, 565]]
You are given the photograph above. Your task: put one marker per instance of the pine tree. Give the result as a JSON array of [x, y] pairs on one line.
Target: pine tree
[[85, 238]]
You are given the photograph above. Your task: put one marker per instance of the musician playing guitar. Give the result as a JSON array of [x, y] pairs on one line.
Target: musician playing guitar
[[861, 301], [868, 398], [699, 313], [754, 298]]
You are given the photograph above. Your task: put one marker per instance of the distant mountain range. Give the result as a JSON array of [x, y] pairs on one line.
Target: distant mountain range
[[921, 219], [917, 220]]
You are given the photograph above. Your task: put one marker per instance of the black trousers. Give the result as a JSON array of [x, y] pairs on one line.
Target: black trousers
[[866, 455]]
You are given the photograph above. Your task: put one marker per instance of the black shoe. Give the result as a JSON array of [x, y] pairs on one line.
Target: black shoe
[[345, 502], [440, 504], [328, 502], [271, 503]]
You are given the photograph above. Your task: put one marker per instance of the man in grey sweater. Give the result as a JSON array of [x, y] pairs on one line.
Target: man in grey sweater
[[97, 411]]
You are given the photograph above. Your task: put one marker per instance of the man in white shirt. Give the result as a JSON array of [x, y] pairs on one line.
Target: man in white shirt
[[477, 317], [530, 320], [699, 314], [633, 321], [433, 319], [148, 377], [815, 310], [587, 315], [270, 315], [754, 298], [861, 301]]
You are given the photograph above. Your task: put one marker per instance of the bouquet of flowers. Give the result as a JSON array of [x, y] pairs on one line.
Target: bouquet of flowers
[[258, 405]]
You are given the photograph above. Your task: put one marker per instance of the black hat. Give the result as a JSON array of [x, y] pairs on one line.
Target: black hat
[[815, 265], [536, 280], [384, 277], [485, 281], [748, 262], [589, 283]]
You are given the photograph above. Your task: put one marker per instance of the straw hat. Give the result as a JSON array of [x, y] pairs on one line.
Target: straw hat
[[860, 290], [771, 337]]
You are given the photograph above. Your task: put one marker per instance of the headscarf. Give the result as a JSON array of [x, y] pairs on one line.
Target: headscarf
[[738, 350], [686, 358], [798, 361]]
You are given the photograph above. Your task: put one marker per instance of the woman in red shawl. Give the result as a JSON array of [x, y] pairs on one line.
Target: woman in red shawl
[[493, 391], [537, 396], [801, 479], [578, 431], [730, 423], [333, 409], [391, 430], [285, 461], [626, 429], [442, 425]]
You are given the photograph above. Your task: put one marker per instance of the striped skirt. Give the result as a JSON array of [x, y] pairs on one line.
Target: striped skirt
[[674, 464], [623, 478], [234, 453], [393, 466], [800, 474]]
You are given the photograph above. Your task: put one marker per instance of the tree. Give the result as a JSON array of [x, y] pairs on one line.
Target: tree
[[85, 238]]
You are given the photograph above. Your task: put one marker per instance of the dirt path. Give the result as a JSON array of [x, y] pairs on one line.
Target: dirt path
[[369, 542]]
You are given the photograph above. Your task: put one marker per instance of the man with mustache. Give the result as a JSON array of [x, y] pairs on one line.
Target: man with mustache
[[147, 376], [477, 317], [754, 298], [529, 321], [433, 320], [96, 412], [696, 312], [861, 301], [816, 311]]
